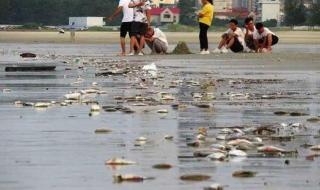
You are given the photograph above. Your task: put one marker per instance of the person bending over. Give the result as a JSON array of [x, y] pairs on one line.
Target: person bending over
[[264, 39], [249, 30], [157, 41]]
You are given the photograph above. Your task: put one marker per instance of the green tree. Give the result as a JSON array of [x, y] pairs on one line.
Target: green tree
[[315, 15], [187, 15], [295, 12]]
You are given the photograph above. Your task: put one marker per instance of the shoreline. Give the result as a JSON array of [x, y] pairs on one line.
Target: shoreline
[[286, 37]]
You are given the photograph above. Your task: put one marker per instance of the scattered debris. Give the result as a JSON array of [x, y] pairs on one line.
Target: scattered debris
[[195, 177], [119, 161], [244, 174], [162, 166]]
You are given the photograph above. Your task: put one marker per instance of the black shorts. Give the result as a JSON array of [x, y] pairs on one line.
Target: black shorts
[[125, 28], [275, 40], [250, 43], [237, 46], [139, 28]]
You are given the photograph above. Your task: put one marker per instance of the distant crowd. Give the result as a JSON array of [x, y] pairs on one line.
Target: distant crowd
[[136, 22]]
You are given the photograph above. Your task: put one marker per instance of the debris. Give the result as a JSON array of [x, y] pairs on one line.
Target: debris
[[168, 137], [42, 105], [162, 166], [314, 119], [315, 148], [195, 177], [95, 108], [28, 55], [270, 149], [119, 161], [217, 156], [214, 186], [73, 96], [141, 139], [237, 153], [244, 174], [151, 70], [6, 90], [101, 131], [130, 178], [181, 48], [163, 111]]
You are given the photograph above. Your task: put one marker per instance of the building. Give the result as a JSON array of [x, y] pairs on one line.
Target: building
[[268, 9], [85, 22], [223, 5], [162, 16], [161, 3]]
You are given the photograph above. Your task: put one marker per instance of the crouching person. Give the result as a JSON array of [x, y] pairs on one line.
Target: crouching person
[[264, 39], [232, 39], [156, 40]]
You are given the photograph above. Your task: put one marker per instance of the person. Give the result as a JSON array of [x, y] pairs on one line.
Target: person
[[264, 39], [232, 39], [126, 23], [205, 21], [249, 30], [157, 41], [141, 22]]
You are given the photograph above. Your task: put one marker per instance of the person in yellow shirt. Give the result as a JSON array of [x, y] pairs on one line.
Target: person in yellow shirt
[[205, 20]]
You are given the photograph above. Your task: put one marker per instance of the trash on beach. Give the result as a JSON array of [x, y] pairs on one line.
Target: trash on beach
[[119, 161], [162, 111], [244, 174], [215, 186], [315, 148], [168, 137], [73, 96], [270, 149], [196, 177], [237, 153], [217, 156], [314, 119], [141, 139], [181, 48], [102, 131], [130, 178], [162, 166], [42, 105]]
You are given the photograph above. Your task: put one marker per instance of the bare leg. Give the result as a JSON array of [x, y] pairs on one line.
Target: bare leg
[[222, 42], [142, 41], [123, 46], [133, 43], [230, 42], [269, 42]]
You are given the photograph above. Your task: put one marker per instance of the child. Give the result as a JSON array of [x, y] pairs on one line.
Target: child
[[205, 21], [264, 39]]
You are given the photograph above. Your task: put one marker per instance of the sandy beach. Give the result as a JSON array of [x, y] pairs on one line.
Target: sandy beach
[[286, 37]]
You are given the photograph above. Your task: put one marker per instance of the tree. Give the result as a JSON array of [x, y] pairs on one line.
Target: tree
[[295, 13], [315, 15], [187, 14]]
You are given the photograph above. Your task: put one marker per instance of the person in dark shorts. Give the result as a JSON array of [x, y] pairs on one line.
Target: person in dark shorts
[[141, 21], [232, 39], [249, 30], [126, 23], [264, 39]]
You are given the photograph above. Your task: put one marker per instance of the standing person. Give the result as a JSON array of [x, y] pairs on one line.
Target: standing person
[[264, 39], [126, 23], [249, 30], [141, 22], [157, 41], [205, 20], [232, 39]]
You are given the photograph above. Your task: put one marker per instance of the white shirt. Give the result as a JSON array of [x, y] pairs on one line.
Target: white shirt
[[127, 12], [160, 35], [239, 33], [249, 31], [139, 13], [258, 36]]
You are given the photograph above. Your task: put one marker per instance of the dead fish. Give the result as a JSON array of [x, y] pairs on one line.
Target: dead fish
[[167, 97], [214, 186], [6, 90], [281, 113], [240, 142], [270, 149], [313, 119], [195, 177], [244, 174], [89, 91], [162, 166], [73, 96], [168, 137], [42, 105], [315, 148], [163, 111], [102, 131], [237, 153], [119, 161], [297, 114], [141, 139], [217, 156], [201, 137], [130, 178], [95, 108]]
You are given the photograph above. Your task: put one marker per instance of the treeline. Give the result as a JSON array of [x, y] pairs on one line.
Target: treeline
[[52, 12]]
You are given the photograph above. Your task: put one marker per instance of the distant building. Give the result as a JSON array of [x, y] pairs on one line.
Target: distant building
[[85, 22], [269, 9], [165, 15]]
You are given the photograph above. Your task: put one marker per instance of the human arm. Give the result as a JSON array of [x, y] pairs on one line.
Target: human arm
[[116, 13], [133, 4]]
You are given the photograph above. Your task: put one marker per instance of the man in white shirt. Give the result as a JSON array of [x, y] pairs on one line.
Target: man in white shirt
[[126, 23], [249, 29], [232, 39], [141, 21], [264, 39], [157, 41]]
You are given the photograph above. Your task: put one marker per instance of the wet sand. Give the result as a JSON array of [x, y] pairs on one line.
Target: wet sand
[[56, 148], [286, 37]]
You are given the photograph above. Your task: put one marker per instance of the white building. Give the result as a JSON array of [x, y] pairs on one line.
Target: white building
[[222, 5], [85, 22], [269, 9]]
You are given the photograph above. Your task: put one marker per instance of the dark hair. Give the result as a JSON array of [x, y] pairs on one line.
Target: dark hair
[[234, 21], [259, 25], [248, 19], [211, 2]]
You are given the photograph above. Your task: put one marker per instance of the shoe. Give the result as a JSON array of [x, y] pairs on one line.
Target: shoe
[[131, 54], [224, 50], [217, 50], [204, 52], [141, 54]]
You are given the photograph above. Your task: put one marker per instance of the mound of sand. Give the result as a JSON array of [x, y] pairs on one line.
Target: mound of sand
[[181, 48]]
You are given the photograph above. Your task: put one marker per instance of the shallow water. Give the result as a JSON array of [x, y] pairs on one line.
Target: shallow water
[[57, 148]]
